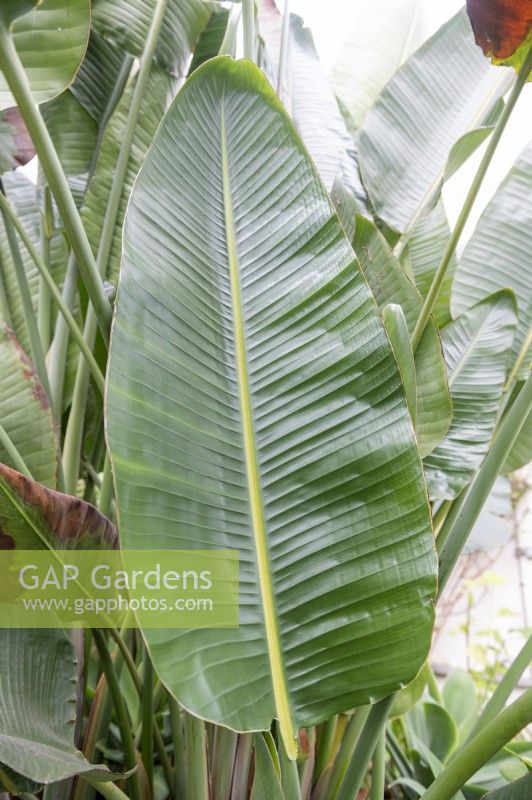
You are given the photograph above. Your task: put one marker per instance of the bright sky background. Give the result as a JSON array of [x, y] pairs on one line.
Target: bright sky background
[[331, 22]]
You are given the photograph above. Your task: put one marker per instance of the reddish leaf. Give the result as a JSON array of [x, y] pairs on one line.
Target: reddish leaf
[[59, 519], [500, 26]]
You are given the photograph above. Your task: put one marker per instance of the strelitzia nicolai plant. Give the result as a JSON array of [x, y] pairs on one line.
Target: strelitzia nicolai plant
[[300, 369]]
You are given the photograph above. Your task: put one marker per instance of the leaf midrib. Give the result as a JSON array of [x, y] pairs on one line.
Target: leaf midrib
[[280, 690]]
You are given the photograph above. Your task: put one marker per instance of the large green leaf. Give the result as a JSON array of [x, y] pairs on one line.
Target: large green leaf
[[25, 413], [308, 95], [407, 137], [38, 675], [127, 22], [389, 284], [95, 206], [51, 41], [38, 671], [498, 254], [383, 36], [476, 347], [254, 403]]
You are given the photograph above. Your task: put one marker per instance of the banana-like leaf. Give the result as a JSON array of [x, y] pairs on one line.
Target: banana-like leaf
[[476, 346], [95, 206], [254, 403], [426, 246], [25, 414], [389, 284], [517, 790], [24, 197], [308, 95], [209, 43], [38, 672], [38, 675], [126, 23], [74, 132], [521, 452], [97, 76], [408, 135], [498, 254], [383, 36], [51, 41]]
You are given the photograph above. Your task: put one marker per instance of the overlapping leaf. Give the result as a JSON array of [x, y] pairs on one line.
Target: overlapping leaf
[[96, 199], [383, 36], [127, 22], [51, 41], [498, 254], [254, 403], [476, 346], [24, 197], [308, 96], [408, 135], [389, 284]]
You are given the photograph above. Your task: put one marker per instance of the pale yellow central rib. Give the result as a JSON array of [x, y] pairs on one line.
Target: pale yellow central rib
[[282, 704]]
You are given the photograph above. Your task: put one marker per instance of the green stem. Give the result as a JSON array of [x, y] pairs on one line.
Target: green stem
[[504, 689], [378, 772], [147, 718], [196, 766], [519, 361], [289, 775], [44, 300], [74, 431], [364, 749], [18, 83], [108, 790], [17, 461], [432, 295], [349, 743], [460, 521], [59, 348], [283, 53], [325, 745], [223, 759], [178, 738], [121, 712], [432, 684], [9, 212], [244, 752], [248, 19], [495, 735], [36, 351]]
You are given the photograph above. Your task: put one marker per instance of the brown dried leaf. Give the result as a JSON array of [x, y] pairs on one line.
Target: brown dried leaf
[[500, 26], [33, 517]]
